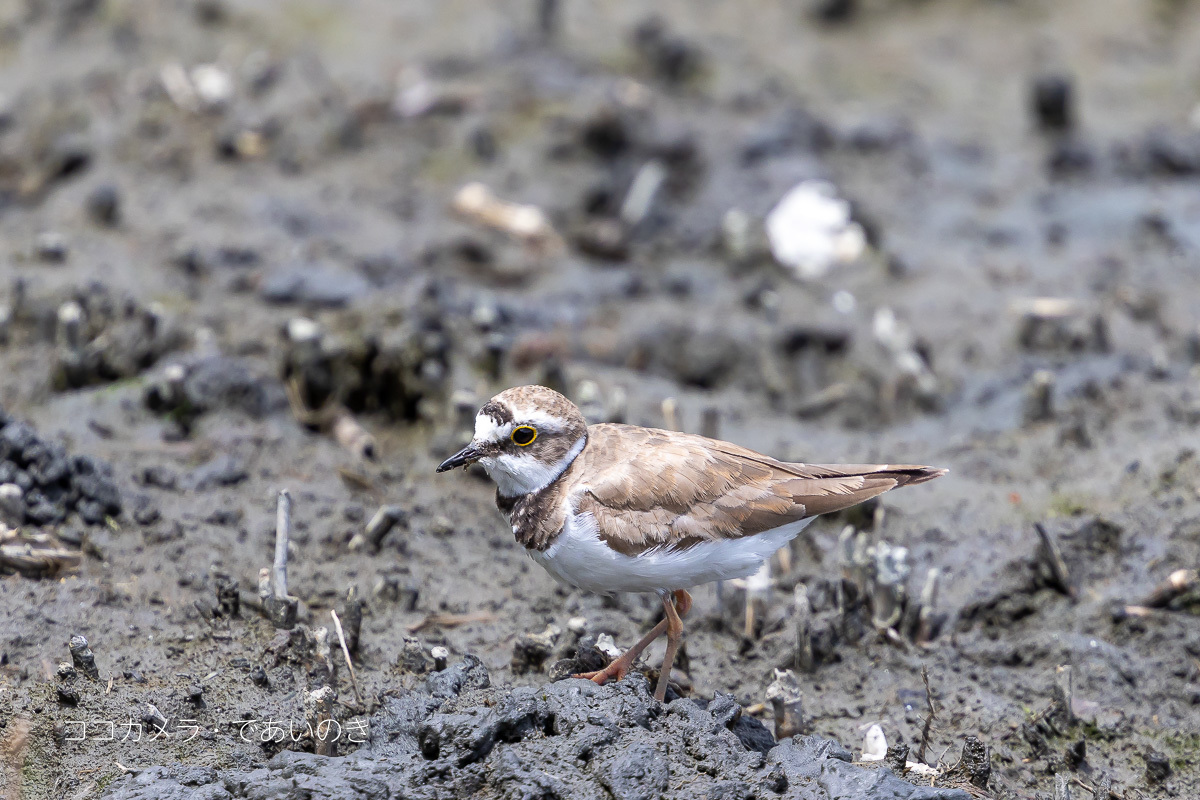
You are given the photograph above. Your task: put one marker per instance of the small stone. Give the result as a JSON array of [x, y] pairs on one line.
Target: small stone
[[321, 286], [834, 10], [82, 657], [51, 247], [104, 206], [977, 761], [897, 758], [531, 650], [1039, 397], [413, 658], [1158, 767], [1052, 102], [1076, 754]]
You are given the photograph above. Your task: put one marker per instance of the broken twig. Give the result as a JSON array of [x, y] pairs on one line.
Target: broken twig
[[337, 625]]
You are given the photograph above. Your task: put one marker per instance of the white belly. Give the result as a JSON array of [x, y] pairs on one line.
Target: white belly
[[579, 558]]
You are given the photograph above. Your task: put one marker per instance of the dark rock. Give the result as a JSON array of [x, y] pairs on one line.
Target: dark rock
[[469, 737], [51, 247], [465, 675], [976, 762], [1069, 156], [639, 773], [606, 134], [1076, 754], [100, 490], [794, 129], [834, 10], [15, 439], [753, 734], [460, 738], [220, 471], [229, 600], [1158, 767], [669, 57], [221, 382], [1052, 102], [321, 286], [145, 511], [82, 657], [104, 205], [897, 758]]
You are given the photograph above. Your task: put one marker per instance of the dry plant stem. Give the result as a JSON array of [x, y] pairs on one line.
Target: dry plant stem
[[441, 620], [1052, 557], [283, 532], [927, 730], [337, 625], [1178, 582]]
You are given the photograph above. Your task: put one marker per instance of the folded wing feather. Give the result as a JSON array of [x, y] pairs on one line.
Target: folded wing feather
[[649, 488]]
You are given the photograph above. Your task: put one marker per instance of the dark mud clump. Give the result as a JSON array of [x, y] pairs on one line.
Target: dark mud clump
[[42, 484], [458, 736]]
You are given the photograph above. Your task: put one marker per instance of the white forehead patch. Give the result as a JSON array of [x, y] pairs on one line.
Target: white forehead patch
[[488, 430]]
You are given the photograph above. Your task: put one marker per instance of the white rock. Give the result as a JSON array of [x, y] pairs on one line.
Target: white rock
[[606, 645], [874, 744], [810, 230], [212, 84]]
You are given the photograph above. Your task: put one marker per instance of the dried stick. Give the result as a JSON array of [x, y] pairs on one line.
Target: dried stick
[[927, 730], [283, 532], [1051, 556], [281, 606], [337, 625]]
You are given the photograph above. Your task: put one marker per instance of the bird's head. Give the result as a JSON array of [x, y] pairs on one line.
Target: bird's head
[[525, 437]]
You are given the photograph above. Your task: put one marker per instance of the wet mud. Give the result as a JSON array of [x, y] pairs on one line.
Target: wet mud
[[252, 246]]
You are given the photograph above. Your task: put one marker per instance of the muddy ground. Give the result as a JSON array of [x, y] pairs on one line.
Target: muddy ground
[[191, 215]]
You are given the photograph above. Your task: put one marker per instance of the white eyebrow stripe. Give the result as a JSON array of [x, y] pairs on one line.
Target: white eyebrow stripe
[[539, 419]]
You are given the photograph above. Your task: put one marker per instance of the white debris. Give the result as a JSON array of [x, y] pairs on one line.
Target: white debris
[[213, 85], [736, 233], [204, 87], [524, 222], [901, 342], [843, 302], [606, 645], [642, 191], [874, 744], [302, 330], [924, 770], [810, 230]]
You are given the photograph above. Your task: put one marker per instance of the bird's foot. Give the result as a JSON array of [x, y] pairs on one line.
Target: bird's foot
[[616, 670]]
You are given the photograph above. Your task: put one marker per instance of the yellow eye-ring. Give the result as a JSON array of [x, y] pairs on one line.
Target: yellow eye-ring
[[524, 435]]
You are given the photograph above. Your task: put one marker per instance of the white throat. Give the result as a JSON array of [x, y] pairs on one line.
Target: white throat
[[516, 475]]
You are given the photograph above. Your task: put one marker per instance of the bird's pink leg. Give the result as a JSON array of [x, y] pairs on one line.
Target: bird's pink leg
[[619, 668], [675, 606]]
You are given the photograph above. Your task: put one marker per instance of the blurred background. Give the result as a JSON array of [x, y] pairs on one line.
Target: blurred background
[[254, 245]]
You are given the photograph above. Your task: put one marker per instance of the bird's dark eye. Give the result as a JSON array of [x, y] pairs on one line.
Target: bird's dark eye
[[523, 435]]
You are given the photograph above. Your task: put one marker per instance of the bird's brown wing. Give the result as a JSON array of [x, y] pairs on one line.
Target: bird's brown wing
[[650, 488]]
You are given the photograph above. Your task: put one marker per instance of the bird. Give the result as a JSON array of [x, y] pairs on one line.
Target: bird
[[612, 507]]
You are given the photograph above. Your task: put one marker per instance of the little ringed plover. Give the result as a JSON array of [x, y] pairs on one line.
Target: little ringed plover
[[621, 508]]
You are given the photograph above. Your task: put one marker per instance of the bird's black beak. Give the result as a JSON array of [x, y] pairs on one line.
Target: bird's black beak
[[463, 458]]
